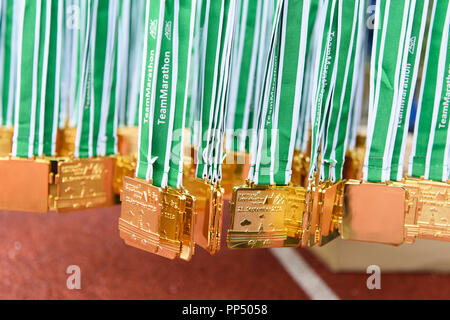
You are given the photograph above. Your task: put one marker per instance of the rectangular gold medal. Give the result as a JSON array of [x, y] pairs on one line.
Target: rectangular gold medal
[[266, 217], [139, 219], [83, 184], [374, 213], [157, 220], [209, 209], [25, 185], [428, 215]]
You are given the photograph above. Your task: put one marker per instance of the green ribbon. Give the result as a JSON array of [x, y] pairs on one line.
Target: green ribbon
[[387, 61], [280, 106], [411, 62], [214, 74], [431, 138], [167, 53], [351, 29], [37, 93], [97, 122], [8, 61]]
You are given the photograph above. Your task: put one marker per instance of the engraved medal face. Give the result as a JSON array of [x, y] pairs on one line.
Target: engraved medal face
[[80, 185], [139, 220], [429, 214], [20, 193], [258, 218]]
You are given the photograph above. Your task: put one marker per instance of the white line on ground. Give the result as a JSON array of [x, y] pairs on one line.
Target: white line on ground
[[308, 280]]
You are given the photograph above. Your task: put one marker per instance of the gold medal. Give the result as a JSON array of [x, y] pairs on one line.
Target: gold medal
[[374, 212], [25, 184], [157, 220], [128, 141], [234, 171], [66, 142], [125, 167], [82, 184], [266, 217], [209, 211], [6, 135], [428, 215], [300, 168]]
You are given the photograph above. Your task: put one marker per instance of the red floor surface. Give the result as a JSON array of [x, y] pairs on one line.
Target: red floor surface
[[35, 251]]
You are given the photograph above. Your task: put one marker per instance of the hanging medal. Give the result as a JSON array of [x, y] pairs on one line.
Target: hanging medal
[[249, 26], [268, 211], [301, 161], [130, 48], [374, 209], [214, 84], [28, 173], [84, 179], [428, 189], [333, 111], [157, 213]]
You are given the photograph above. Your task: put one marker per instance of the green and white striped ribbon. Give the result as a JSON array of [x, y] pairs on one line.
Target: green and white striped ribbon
[[351, 30], [431, 138], [324, 78], [243, 72], [97, 122], [305, 105], [123, 54], [280, 107], [185, 27], [391, 19], [215, 68], [39, 49], [165, 69], [263, 53], [76, 15], [193, 107], [357, 103], [411, 62], [130, 44], [8, 62]]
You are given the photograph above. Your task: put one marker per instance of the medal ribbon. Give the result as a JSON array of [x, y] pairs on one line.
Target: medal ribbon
[[350, 41], [243, 72], [8, 61], [391, 20], [324, 78], [184, 26], [431, 138], [411, 63], [217, 41], [97, 122], [37, 93], [281, 103], [305, 106], [263, 52]]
